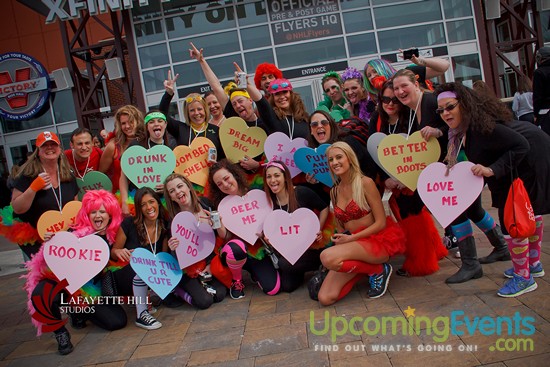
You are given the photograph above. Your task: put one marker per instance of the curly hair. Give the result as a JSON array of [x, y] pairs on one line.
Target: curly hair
[[134, 117], [385, 118], [91, 201], [297, 107], [289, 186], [216, 195], [266, 68], [139, 219], [479, 111]]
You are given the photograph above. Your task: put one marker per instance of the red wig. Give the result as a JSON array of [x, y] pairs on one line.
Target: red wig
[[266, 68], [93, 200]]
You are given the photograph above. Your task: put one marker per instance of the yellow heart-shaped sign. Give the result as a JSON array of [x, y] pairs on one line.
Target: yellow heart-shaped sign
[[405, 158], [239, 140], [192, 161], [53, 221]]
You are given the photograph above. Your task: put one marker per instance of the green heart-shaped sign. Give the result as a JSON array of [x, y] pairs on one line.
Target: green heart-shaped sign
[[148, 167], [93, 180]]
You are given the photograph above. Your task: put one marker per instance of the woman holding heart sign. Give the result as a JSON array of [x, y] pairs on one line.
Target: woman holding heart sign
[[100, 214], [366, 238], [282, 195], [498, 146], [148, 229], [195, 287], [45, 182], [227, 179]]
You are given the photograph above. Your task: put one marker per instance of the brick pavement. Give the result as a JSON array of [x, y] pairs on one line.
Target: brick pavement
[[274, 331]]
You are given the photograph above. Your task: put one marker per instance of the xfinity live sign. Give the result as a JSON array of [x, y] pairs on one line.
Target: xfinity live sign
[[23, 86], [70, 9]]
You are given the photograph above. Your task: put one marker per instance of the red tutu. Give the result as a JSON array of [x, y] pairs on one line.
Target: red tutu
[[390, 240]]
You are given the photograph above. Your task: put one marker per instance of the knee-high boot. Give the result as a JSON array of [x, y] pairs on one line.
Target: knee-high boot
[[500, 251], [470, 268]]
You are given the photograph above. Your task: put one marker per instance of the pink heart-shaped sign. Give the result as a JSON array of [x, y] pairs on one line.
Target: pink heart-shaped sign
[[245, 215], [278, 146], [197, 239], [449, 196], [291, 233], [76, 259]]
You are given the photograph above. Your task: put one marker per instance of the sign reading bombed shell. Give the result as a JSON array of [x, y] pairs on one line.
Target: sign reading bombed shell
[[303, 19]]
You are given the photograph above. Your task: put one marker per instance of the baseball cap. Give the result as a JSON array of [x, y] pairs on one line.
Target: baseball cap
[[279, 85], [46, 136]]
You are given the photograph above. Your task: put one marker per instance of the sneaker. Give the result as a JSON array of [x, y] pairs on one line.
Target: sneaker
[[379, 282], [237, 289], [172, 301], [516, 286], [147, 322], [64, 345], [536, 271]]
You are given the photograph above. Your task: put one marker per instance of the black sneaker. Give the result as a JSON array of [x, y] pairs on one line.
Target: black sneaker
[[379, 282], [64, 345], [237, 289], [172, 301], [147, 322], [77, 322]]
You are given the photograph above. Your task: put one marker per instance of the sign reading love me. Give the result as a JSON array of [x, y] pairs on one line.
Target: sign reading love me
[[197, 239], [449, 196], [278, 146], [245, 215], [404, 158], [314, 162], [76, 259], [93, 180], [291, 233], [160, 272], [192, 161], [239, 140], [148, 167], [53, 221]]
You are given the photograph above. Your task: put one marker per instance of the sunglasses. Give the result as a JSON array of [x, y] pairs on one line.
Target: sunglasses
[[387, 100], [317, 123], [191, 99], [276, 86], [448, 108], [334, 87]]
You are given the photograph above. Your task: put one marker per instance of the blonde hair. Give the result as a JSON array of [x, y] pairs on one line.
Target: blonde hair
[[358, 194], [33, 167], [201, 100], [135, 117]]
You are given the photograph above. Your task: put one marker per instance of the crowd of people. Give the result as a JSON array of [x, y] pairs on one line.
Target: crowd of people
[[363, 235]]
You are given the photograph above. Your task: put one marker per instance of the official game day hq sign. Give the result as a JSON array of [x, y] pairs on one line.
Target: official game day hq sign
[[23, 86]]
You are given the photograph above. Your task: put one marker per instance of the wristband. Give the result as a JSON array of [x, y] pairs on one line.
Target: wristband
[[38, 184]]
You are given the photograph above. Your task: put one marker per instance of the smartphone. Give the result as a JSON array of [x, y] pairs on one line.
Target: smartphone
[[408, 54]]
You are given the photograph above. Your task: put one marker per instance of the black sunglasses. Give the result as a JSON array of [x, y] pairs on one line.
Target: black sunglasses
[[317, 123], [448, 108], [387, 100]]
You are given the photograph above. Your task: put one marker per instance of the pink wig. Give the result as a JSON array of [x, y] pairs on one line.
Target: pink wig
[[93, 200]]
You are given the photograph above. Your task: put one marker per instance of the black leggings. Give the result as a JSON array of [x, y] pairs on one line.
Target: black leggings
[[292, 276], [200, 298], [108, 317]]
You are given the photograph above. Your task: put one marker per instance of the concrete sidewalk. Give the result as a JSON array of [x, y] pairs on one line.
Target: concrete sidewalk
[[259, 330]]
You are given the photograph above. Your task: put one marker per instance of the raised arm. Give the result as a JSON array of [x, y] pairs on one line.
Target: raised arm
[[435, 66], [211, 77]]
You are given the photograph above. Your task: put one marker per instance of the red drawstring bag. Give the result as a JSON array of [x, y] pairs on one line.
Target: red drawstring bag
[[519, 217]]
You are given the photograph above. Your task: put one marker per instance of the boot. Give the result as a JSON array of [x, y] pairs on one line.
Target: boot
[[500, 251], [470, 268]]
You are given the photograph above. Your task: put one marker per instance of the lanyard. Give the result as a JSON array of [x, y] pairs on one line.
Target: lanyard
[[290, 129], [58, 199], [412, 116], [76, 167], [153, 248]]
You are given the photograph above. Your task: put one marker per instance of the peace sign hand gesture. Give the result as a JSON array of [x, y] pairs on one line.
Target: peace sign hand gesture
[[169, 83]]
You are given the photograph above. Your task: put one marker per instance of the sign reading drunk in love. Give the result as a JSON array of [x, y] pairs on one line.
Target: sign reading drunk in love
[[303, 19], [148, 168]]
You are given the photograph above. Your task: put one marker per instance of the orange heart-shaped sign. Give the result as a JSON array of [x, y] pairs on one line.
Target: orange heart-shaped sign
[[405, 158], [192, 161], [53, 221], [239, 140]]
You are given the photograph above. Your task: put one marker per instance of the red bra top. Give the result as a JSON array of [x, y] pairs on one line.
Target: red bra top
[[352, 211]]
